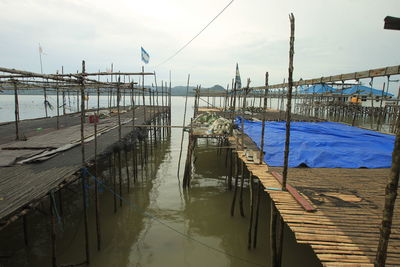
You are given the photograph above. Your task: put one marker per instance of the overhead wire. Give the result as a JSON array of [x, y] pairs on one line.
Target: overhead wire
[[191, 40]]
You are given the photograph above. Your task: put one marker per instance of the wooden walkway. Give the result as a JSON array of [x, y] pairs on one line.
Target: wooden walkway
[[21, 185], [344, 229]]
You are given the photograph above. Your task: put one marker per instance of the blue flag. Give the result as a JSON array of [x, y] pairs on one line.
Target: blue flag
[[145, 56], [238, 81]]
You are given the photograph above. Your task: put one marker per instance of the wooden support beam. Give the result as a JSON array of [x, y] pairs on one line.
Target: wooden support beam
[[295, 194], [380, 72], [289, 103]]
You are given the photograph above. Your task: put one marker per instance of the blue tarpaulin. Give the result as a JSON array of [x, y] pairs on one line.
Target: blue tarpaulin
[[316, 89], [363, 90], [323, 145]]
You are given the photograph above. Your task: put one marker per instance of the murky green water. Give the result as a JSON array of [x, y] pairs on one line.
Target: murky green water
[[159, 223]]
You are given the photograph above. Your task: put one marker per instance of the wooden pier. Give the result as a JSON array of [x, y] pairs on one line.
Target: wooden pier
[[23, 184], [39, 157], [336, 211], [344, 228]]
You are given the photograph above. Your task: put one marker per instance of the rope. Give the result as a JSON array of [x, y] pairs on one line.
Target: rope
[[84, 170], [56, 210]]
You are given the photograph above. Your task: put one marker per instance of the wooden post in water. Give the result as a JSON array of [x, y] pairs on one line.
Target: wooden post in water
[[236, 186], [134, 143], [378, 124], [114, 178], [272, 235], [119, 140], [63, 93], [259, 189], [183, 125], [263, 120], [96, 193], [230, 167], [246, 91], [251, 211], [170, 101], [188, 165], [279, 237], [390, 200], [127, 168], [25, 226], [16, 105], [58, 106], [144, 101], [87, 250], [45, 101], [242, 168], [77, 101], [53, 232], [289, 102]]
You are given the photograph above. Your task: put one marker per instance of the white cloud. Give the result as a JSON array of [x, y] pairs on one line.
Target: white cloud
[[332, 36]]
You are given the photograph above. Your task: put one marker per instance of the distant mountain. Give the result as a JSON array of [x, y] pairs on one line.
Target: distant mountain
[[181, 90]]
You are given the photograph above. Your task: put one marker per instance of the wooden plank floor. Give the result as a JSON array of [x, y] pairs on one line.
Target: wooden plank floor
[[344, 230], [22, 184]]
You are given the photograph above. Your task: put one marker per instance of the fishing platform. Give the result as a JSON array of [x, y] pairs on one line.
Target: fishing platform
[[336, 211], [40, 157]]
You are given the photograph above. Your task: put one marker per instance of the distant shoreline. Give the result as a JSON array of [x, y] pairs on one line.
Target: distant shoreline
[[175, 91]]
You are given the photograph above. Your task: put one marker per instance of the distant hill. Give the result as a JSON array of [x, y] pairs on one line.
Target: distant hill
[[176, 91], [181, 90]]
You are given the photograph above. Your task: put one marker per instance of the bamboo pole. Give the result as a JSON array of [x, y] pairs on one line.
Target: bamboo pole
[[289, 102], [119, 141], [259, 187], [236, 186], [390, 200], [87, 250], [279, 237], [241, 189], [144, 101], [263, 120], [272, 235], [114, 178], [58, 107], [251, 211], [16, 105], [127, 168], [243, 113], [183, 125], [230, 169], [53, 232], [134, 143], [25, 227], [96, 194]]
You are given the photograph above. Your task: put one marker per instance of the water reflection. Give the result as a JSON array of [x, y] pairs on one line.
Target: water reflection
[[159, 224]]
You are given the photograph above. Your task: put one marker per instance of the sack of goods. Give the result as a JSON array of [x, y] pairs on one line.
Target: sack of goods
[[221, 126]]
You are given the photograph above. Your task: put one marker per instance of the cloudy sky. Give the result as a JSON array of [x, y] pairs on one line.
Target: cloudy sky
[[332, 37]]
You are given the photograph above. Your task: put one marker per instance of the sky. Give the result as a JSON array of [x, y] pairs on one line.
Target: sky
[[331, 37]]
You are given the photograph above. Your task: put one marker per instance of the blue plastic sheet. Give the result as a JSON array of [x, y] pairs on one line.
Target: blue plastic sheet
[[323, 145]]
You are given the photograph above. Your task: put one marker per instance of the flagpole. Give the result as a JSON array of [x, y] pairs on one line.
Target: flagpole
[[40, 58], [41, 71]]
